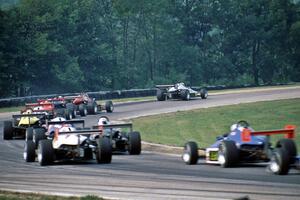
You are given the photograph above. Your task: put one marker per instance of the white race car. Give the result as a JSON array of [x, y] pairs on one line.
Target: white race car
[[64, 141], [179, 91]]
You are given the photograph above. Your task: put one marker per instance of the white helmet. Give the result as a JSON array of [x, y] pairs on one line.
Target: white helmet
[[103, 120], [233, 127], [58, 119], [67, 129]]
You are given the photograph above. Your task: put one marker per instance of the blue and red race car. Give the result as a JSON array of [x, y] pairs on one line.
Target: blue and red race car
[[243, 145]]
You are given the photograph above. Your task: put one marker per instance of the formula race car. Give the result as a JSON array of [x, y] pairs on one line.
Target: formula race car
[[121, 140], [19, 125], [86, 105], [179, 91], [243, 145], [64, 141]]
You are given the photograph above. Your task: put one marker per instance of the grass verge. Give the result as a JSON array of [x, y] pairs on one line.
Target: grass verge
[[5, 195], [203, 125]]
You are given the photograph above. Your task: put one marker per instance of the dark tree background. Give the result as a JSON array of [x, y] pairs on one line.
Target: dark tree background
[[89, 45]]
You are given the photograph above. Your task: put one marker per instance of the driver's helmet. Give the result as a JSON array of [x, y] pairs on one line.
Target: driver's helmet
[[67, 128], [27, 111], [103, 121], [233, 127], [58, 119]]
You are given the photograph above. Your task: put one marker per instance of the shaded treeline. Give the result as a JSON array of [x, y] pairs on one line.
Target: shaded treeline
[[90, 45]]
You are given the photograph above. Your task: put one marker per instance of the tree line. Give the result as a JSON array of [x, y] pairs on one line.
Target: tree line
[[90, 45]]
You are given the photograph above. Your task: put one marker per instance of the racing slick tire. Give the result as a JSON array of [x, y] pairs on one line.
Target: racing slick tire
[[134, 143], [190, 153], [185, 95], [38, 134], [29, 134], [82, 110], [71, 107], [290, 147], [279, 163], [161, 95], [109, 107], [45, 152], [203, 93], [92, 108], [7, 130], [68, 114], [228, 153], [29, 151], [104, 152]]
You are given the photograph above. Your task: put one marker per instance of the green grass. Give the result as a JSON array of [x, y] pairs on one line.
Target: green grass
[[11, 109], [4, 195], [203, 125]]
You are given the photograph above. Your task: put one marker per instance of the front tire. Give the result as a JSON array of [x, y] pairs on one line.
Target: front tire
[[29, 151], [45, 152], [109, 107], [135, 145], [190, 153], [161, 95], [279, 163], [7, 130], [228, 154], [104, 152], [203, 93]]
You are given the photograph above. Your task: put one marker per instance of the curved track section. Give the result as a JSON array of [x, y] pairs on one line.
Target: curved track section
[[150, 175]]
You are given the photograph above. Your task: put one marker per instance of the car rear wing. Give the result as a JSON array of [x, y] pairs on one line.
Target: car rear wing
[[111, 126], [74, 121], [79, 132], [164, 86], [31, 115], [289, 131]]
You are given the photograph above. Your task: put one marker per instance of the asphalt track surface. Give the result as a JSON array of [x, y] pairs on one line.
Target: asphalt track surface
[[150, 175]]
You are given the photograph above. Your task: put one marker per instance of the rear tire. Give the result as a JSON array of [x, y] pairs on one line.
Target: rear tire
[[7, 130], [134, 143], [185, 95], [92, 108], [45, 152], [104, 153], [290, 147], [228, 153], [38, 134], [29, 151], [109, 107], [279, 163], [161, 95], [190, 154], [82, 110]]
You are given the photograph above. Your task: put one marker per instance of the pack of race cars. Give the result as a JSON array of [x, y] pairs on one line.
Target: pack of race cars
[[52, 135]]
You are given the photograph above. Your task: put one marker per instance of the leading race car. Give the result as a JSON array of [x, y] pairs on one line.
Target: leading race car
[[179, 91], [243, 145], [121, 135], [64, 141]]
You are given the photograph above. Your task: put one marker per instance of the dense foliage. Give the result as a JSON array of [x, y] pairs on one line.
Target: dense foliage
[[89, 45]]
